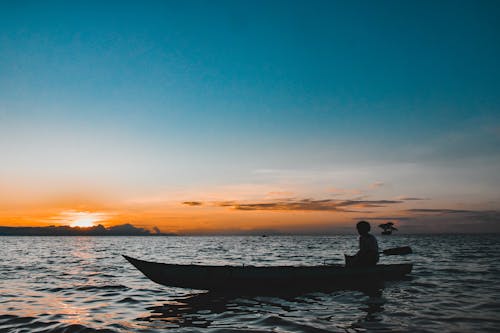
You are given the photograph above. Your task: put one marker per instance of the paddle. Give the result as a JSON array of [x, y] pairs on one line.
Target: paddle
[[389, 252], [397, 251]]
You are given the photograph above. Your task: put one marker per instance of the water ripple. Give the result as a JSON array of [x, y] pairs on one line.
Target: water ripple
[[82, 284]]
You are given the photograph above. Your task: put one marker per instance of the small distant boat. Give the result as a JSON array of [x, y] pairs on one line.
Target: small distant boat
[[244, 278]]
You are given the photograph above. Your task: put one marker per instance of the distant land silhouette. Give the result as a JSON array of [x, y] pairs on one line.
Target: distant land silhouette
[[99, 230]]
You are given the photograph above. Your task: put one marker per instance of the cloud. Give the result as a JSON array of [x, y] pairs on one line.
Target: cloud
[[225, 203], [192, 203], [384, 218], [308, 205], [487, 216], [439, 211], [370, 203], [127, 229], [478, 215], [403, 198], [452, 220]]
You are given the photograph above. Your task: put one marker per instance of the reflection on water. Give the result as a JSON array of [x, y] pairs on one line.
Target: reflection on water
[[191, 311], [82, 284], [211, 309]]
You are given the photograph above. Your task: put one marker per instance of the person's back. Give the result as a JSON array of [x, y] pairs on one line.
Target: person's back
[[368, 254], [368, 250]]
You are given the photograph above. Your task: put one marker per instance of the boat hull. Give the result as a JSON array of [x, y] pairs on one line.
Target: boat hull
[[234, 278]]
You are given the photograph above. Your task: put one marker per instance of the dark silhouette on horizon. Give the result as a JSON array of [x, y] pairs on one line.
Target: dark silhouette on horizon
[[98, 230], [388, 228]]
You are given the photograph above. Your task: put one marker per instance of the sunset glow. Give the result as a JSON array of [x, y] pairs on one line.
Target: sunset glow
[[185, 119], [83, 222], [80, 219]]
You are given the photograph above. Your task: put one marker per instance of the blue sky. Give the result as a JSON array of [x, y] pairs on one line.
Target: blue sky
[[146, 97]]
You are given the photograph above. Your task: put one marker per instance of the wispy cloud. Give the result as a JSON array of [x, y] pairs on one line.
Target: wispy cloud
[[452, 220], [439, 211], [487, 216], [192, 203], [384, 218], [480, 215], [308, 205], [405, 198]]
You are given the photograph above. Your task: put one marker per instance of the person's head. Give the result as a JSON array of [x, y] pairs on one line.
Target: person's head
[[363, 227]]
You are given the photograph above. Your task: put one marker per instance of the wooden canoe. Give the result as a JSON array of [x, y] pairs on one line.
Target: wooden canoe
[[234, 278]]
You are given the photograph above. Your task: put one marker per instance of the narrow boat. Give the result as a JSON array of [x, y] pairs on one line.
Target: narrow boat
[[234, 278]]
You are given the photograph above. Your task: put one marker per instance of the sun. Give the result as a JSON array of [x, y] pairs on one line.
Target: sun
[[84, 222], [82, 219]]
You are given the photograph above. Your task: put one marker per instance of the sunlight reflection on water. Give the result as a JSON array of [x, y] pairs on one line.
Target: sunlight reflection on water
[[76, 283]]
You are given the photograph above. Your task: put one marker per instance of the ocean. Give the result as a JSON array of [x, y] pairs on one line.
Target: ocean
[[83, 284]]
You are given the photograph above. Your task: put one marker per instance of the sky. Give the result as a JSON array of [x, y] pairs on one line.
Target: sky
[[203, 117]]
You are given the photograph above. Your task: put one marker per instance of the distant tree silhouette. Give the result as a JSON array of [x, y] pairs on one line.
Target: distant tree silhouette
[[98, 230], [388, 228]]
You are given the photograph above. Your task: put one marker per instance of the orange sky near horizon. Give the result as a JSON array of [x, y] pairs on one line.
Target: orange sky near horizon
[[245, 214], [211, 216], [180, 219], [227, 209]]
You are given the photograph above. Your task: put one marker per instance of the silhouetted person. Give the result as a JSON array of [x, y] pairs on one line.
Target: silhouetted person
[[368, 248]]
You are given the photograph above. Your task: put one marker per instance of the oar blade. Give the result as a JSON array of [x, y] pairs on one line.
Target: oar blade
[[398, 251]]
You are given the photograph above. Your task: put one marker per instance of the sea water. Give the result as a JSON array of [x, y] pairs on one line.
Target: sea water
[[83, 284]]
